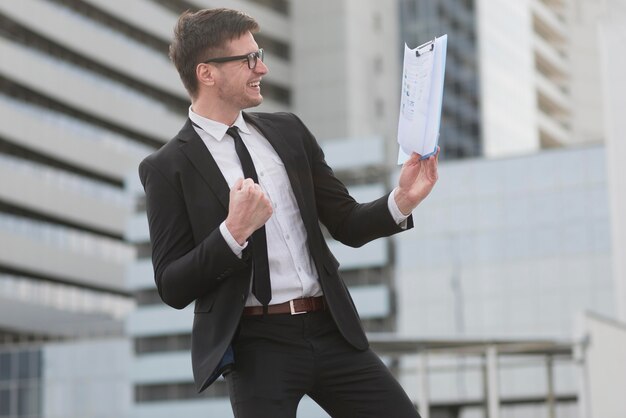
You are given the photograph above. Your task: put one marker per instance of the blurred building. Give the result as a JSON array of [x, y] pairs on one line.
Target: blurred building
[[86, 91], [423, 20], [74, 378], [516, 247], [520, 76], [74, 122], [508, 248]]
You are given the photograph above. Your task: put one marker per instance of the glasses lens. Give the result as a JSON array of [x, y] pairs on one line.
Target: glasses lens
[[253, 57]]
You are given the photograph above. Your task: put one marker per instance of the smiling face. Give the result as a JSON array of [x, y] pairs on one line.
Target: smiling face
[[235, 86]]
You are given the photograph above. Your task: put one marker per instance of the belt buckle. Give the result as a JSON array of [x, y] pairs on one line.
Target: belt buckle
[[293, 309]]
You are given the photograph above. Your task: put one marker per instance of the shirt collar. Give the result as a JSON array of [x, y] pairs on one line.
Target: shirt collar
[[217, 129]]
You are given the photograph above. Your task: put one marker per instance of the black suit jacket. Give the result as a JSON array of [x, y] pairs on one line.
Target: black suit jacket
[[187, 199]]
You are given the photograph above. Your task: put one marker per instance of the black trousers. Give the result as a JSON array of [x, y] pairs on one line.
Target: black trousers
[[280, 358]]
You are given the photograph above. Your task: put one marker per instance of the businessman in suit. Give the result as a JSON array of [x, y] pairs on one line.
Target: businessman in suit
[[234, 203]]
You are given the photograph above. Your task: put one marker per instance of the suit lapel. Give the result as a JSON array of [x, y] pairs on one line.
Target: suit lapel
[[200, 157], [275, 137]]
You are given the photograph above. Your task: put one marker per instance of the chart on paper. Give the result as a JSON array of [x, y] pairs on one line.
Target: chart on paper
[[416, 87]]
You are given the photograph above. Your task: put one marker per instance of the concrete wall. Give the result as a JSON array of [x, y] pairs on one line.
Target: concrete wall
[[612, 39], [507, 77], [507, 248], [604, 359], [346, 68]]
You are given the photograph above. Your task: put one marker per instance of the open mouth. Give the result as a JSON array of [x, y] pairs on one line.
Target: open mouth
[[255, 84]]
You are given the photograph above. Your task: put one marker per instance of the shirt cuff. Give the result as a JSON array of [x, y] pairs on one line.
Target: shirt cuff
[[232, 242], [397, 215]]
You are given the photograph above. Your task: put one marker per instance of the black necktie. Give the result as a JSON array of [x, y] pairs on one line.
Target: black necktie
[[261, 286]]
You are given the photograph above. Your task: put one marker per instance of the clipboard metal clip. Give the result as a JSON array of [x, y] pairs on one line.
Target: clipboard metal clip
[[429, 43]]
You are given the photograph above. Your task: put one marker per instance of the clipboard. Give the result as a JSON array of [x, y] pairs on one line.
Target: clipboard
[[421, 98]]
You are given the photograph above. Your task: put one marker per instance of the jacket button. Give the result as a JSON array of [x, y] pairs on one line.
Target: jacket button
[[243, 297]]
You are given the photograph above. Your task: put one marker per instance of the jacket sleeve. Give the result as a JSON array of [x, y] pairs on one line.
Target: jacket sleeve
[[184, 270], [352, 223]]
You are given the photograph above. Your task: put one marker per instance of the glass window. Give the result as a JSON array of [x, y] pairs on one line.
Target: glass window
[[5, 402], [5, 367], [178, 391], [148, 297], [23, 365], [27, 400]]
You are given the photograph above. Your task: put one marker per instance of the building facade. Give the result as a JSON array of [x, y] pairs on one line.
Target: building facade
[[423, 20], [521, 76], [508, 248], [62, 204]]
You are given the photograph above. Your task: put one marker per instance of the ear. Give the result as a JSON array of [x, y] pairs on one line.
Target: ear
[[205, 74]]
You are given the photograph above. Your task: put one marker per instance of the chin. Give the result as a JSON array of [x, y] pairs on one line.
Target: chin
[[255, 102]]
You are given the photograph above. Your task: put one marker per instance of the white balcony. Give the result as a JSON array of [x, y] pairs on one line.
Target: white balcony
[[372, 301], [552, 130], [63, 253], [373, 254], [162, 368], [93, 94], [140, 275], [550, 91], [340, 153], [549, 20], [46, 308], [62, 196], [272, 23], [149, 321], [367, 192], [67, 140], [137, 228], [123, 54], [147, 15], [97, 42], [550, 57]]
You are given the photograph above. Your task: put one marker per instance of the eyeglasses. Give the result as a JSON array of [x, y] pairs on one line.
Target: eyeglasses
[[251, 58]]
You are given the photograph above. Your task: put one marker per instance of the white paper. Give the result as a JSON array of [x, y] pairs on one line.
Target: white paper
[[421, 98]]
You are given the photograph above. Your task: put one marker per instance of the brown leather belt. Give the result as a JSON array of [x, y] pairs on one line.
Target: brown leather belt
[[293, 307]]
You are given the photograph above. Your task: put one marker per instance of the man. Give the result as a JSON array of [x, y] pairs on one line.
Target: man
[[234, 202]]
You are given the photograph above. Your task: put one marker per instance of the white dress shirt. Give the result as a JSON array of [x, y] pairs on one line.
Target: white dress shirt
[[292, 270]]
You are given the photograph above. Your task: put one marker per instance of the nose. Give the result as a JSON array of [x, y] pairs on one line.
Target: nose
[[261, 68]]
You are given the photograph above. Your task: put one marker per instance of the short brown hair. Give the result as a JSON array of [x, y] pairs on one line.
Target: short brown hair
[[201, 35]]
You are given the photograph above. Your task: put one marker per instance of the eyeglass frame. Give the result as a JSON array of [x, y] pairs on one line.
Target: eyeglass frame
[[252, 58]]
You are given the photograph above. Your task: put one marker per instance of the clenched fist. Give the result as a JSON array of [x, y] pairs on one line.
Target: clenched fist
[[248, 209]]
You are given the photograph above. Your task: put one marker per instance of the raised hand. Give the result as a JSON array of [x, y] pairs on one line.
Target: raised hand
[[417, 179], [248, 209]]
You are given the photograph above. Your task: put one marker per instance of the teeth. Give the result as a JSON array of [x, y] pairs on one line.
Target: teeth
[[255, 84]]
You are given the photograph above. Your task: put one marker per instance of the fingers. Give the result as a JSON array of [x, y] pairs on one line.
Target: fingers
[[244, 185], [251, 189], [247, 189], [237, 185]]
